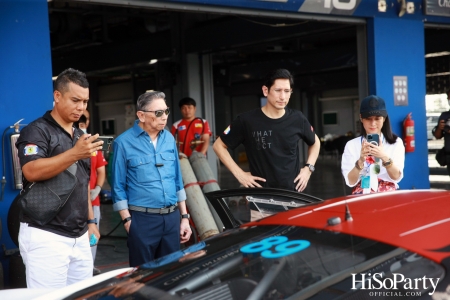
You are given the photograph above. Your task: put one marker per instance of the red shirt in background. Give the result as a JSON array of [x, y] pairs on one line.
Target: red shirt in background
[[196, 127], [97, 161]]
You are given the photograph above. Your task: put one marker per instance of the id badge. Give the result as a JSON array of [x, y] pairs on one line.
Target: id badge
[[365, 182]]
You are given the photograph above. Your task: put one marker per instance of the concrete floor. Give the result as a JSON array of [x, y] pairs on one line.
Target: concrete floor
[[112, 250]]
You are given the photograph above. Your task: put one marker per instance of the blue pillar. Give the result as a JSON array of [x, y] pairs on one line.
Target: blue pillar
[[25, 85], [396, 47]]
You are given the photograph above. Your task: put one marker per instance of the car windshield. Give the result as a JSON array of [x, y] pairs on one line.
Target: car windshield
[[267, 262], [240, 206]]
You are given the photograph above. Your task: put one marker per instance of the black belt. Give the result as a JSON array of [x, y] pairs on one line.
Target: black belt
[[161, 211]]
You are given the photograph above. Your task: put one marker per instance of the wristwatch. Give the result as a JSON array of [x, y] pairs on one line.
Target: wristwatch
[[92, 221], [358, 166], [124, 221], [388, 163], [186, 216], [311, 167]]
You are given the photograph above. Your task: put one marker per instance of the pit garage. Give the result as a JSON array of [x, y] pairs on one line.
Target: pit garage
[[217, 53]]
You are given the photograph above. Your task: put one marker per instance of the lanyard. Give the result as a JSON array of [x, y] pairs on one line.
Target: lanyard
[[370, 179]]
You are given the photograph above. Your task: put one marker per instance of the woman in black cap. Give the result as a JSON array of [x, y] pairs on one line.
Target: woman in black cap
[[373, 167]]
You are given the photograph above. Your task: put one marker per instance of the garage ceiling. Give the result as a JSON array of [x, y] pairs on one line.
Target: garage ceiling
[[107, 40], [113, 42]]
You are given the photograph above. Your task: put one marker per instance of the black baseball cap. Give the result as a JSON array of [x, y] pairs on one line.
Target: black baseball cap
[[373, 106]]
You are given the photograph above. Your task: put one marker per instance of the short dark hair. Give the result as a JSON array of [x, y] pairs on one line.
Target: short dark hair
[[82, 119], [278, 74], [187, 101], [148, 97], [70, 75]]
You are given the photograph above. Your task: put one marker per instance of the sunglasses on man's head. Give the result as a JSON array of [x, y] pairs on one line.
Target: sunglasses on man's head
[[159, 113]]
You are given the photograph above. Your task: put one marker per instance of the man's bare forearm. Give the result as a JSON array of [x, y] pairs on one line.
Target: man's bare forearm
[[46, 168], [222, 152]]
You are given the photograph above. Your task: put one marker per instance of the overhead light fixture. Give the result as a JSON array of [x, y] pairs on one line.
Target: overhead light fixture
[[152, 61], [382, 5], [410, 7], [436, 54]]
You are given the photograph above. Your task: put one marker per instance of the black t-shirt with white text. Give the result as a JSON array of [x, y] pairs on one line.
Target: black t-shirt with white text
[[272, 145]]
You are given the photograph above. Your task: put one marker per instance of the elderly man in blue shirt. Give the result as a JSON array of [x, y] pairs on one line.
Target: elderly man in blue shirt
[[147, 186]]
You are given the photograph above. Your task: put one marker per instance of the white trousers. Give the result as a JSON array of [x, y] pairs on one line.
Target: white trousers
[[97, 215], [52, 260]]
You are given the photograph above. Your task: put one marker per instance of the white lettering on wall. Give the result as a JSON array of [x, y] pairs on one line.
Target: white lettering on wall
[[344, 5], [444, 3]]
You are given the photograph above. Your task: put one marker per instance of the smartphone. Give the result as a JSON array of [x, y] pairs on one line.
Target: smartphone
[[107, 142], [373, 138]]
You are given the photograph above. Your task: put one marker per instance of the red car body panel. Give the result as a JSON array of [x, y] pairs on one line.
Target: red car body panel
[[408, 219]]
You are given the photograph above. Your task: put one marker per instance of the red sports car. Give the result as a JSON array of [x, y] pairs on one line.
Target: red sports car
[[287, 245]]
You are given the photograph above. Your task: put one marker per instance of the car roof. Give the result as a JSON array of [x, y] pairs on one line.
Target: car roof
[[416, 220]]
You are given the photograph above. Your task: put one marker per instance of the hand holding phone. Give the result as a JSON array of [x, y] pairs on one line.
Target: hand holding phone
[[373, 138], [107, 142]]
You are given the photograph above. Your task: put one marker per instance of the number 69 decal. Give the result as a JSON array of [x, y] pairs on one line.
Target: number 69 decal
[[283, 247]]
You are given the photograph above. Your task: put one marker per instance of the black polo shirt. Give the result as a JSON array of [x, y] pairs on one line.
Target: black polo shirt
[[44, 138]]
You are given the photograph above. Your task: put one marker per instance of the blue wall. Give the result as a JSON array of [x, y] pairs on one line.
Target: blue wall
[[25, 82], [396, 47]]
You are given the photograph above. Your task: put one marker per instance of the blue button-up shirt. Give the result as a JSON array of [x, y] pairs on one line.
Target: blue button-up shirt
[[136, 178]]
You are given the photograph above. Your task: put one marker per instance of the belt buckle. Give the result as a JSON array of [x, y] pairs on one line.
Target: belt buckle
[[161, 210]]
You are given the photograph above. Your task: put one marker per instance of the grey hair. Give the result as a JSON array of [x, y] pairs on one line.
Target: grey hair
[[147, 98]]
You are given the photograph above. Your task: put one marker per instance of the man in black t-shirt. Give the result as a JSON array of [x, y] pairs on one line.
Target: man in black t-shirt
[[270, 136], [58, 253]]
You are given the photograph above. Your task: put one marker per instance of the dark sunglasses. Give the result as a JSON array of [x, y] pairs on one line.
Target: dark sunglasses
[[159, 113]]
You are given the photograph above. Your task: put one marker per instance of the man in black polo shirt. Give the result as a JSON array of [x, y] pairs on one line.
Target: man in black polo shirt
[[58, 253]]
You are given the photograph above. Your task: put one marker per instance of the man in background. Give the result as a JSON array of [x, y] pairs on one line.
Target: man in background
[[191, 133], [442, 130]]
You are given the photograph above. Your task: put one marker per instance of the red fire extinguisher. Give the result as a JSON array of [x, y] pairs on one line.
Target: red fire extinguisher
[[408, 134]]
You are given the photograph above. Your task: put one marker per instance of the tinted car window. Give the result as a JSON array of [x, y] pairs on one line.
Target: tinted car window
[[251, 208], [265, 262], [239, 206]]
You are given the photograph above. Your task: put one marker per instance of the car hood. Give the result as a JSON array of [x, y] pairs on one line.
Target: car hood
[[417, 220]]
